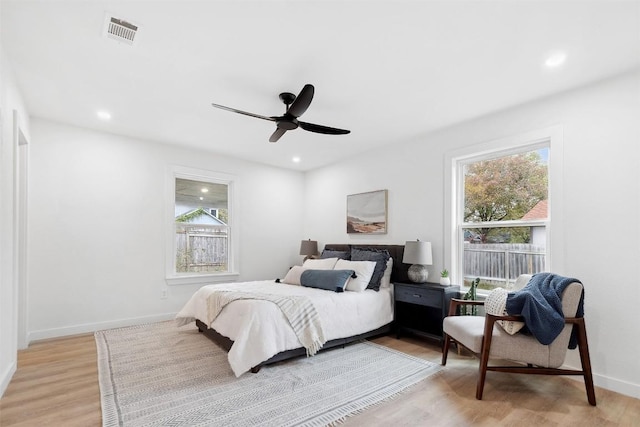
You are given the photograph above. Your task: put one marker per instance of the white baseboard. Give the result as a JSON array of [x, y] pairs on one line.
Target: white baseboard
[[619, 386], [93, 327], [612, 384], [6, 377]]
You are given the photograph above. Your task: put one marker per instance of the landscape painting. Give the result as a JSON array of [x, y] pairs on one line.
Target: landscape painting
[[367, 212]]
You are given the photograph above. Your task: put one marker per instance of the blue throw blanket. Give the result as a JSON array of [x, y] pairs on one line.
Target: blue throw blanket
[[540, 303]]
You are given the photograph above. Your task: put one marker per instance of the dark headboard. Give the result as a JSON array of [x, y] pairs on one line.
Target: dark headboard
[[399, 272]]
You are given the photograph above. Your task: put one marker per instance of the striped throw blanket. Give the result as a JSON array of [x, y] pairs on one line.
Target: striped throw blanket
[[298, 310]]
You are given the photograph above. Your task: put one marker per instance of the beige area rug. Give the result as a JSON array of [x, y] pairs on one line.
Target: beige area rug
[[162, 375]]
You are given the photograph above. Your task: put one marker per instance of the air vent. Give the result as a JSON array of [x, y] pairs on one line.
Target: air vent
[[120, 30]]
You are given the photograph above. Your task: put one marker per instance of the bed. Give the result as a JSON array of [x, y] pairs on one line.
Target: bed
[[256, 333]]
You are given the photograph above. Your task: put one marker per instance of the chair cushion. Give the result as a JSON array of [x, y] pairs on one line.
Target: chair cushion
[[469, 330], [522, 281], [571, 299]]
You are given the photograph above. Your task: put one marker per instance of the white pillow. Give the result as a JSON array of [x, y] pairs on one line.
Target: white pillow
[[293, 275], [363, 269], [495, 304], [385, 282], [320, 264]]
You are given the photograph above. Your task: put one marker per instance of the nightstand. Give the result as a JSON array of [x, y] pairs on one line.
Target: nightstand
[[421, 307]]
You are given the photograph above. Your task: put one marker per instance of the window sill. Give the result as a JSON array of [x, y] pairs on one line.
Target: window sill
[[201, 279]]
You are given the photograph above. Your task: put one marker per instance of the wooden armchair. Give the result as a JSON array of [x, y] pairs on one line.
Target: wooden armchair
[[487, 340]]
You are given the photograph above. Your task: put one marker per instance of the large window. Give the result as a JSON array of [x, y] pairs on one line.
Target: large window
[[503, 217], [500, 203], [201, 234]]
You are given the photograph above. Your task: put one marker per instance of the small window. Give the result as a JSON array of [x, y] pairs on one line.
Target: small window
[[201, 234], [202, 239]]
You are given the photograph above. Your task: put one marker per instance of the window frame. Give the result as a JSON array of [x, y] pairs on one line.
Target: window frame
[[171, 276], [455, 160]]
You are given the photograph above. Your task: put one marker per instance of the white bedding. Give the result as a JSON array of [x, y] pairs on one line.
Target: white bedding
[[260, 330]]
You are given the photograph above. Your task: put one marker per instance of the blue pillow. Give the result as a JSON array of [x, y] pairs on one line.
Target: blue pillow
[[328, 253], [330, 280], [380, 256]]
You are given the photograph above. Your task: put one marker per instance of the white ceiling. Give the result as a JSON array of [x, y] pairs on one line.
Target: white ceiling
[[389, 71]]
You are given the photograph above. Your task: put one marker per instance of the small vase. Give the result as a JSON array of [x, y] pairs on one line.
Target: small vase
[[444, 281]]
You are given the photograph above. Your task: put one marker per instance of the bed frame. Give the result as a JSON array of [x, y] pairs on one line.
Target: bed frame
[[399, 273]]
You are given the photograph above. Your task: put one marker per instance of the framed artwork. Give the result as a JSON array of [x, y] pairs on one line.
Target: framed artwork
[[367, 213]]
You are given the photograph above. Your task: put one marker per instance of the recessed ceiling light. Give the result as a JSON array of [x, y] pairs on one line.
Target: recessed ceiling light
[[205, 190], [201, 198], [556, 59], [296, 159], [103, 115]]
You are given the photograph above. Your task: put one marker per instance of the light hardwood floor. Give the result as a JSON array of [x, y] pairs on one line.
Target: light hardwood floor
[[56, 384]]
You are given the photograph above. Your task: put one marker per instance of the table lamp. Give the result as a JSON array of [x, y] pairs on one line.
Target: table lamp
[[418, 254], [309, 248]]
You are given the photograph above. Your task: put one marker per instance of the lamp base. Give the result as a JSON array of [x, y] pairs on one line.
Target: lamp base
[[418, 273]]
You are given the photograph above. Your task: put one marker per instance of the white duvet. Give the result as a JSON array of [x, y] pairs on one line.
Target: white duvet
[[260, 330]]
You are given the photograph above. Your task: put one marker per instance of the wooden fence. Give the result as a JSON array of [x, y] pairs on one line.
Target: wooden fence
[[499, 264], [201, 248]]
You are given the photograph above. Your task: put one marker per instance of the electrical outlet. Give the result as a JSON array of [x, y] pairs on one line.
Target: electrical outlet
[[164, 294]]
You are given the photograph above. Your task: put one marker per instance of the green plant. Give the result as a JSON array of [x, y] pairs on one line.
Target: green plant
[[471, 310], [444, 273]]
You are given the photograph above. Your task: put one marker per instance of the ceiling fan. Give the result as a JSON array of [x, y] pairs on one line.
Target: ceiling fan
[[296, 106]]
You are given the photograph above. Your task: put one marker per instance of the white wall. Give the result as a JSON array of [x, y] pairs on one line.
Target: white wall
[[96, 227], [601, 201], [10, 101]]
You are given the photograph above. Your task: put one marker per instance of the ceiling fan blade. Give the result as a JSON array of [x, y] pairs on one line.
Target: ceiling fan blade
[[322, 129], [302, 101], [277, 134], [233, 110]]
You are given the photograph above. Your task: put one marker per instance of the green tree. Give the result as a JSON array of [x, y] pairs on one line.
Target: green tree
[[223, 215], [504, 189]]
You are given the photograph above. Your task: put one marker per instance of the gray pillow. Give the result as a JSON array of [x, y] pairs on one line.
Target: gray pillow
[[328, 253], [380, 256], [330, 280]]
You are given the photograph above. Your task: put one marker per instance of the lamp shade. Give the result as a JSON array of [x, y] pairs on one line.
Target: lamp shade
[[308, 247], [417, 252]]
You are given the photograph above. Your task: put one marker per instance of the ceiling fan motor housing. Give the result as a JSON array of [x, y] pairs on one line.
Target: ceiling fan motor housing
[[287, 123], [287, 98]]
